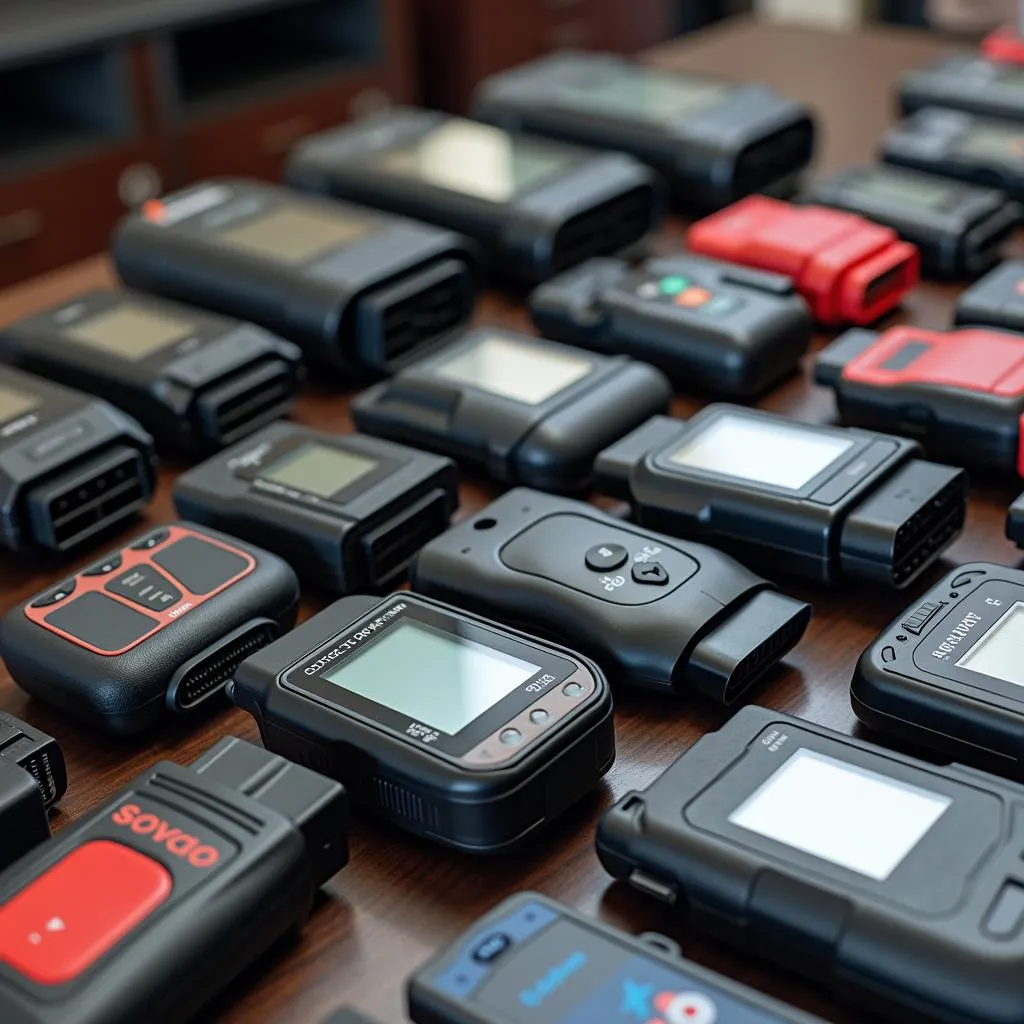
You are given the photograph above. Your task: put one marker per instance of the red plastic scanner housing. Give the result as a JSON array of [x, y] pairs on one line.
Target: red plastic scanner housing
[[849, 270], [1004, 44]]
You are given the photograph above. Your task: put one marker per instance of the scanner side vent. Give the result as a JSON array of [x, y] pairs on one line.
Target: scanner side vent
[[606, 228], [401, 802]]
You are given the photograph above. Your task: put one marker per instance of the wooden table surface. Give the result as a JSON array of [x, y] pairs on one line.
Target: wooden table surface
[[400, 898]]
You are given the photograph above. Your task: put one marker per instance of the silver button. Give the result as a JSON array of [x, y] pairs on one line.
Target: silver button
[[511, 737], [539, 716]]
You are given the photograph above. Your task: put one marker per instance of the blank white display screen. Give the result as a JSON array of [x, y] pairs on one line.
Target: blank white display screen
[[843, 813], [999, 654], [762, 451], [441, 680], [523, 372]]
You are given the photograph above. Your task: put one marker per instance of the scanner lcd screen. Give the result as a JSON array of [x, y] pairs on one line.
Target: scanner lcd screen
[[524, 372], [905, 188], [15, 403], [761, 451], [848, 815], [293, 233], [648, 95], [130, 332], [476, 160], [433, 677], [999, 654], [319, 469]]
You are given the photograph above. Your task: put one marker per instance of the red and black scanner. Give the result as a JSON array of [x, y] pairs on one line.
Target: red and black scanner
[[147, 908], [849, 269], [960, 393]]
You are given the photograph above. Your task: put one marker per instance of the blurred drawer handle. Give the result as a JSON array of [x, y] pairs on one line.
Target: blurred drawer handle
[[279, 138], [19, 227]]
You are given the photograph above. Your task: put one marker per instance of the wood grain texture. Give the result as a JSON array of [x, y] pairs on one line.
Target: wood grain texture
[[400, 899]]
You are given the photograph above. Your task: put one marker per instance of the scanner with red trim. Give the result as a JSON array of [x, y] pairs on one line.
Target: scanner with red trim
[[847, 268], [145, 909], [960, 393]]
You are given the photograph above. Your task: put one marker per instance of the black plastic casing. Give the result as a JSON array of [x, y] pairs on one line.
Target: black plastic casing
[[599, 306], [1015, 522], [711, 626], [749, 140], [429, 1003], [913, 947], [877, 513], [363, 542], [962, 237], [131, 692], [929, 140], [908, 684], [281, 833], [995, 300], [601, 203], [964, 82], [67, 441], [550, 445], [221, 381], [335, 304], [390, 777]]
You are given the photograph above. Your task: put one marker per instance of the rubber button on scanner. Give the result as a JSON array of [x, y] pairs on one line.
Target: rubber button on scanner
[[538, 716], [888, 654], [572, 690], [511, 737], [151, 541], [651, 573], [104, 567], [491, 948], [58, 593], [965, 579], [605, 557]]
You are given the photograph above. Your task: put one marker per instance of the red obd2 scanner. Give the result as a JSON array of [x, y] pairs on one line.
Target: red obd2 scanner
[[154, 627], [961, 393], [847, 268]]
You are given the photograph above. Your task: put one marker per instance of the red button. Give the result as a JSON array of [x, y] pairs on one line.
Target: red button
[[67, 918], [693, 297]]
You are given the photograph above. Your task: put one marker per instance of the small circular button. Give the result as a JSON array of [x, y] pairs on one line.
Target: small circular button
[[673, 284], [648, 290], [511, 737], [572, 689], [605, 557], [539, 716]]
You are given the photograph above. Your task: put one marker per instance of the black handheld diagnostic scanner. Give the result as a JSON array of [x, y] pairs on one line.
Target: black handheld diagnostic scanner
[[713, 141], [357, 289], [443, 723], [532, 960], [948, 673], [194, 380], [959, 229], [147, 908], [960, 393], [33, 777], [895, 881], [156, 626], [966, 82], [710, 326], [997, 300], [1015, 522], [524, 410], [814, 501], [534, 206], [954, 144], [71, 466], [655, 613], [347, 512]]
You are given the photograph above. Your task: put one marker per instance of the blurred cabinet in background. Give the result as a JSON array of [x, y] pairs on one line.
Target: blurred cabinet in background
[[463, 41], [105, 103]]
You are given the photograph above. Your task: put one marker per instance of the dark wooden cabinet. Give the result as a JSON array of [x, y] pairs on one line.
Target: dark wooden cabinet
[[119, 100], [461, 42]]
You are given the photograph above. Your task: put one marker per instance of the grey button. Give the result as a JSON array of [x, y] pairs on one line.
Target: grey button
[[572, 689], [511, 737], [888, 654], [539, 716], [1006, 915]]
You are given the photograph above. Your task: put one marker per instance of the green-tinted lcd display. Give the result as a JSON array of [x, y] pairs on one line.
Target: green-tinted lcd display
[[319, 469], [15, 403], [647, 95]]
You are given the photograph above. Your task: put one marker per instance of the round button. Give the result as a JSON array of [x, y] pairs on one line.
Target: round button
[[539, 716], [605, 557], [511, 737], [572, 689], [648, 290], [685, 1008], [673, 284]]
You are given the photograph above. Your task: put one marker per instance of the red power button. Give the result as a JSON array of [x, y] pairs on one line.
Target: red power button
[[68, 917]]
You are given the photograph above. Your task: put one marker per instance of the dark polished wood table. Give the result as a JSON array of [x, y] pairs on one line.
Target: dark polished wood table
[[399, 898]]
